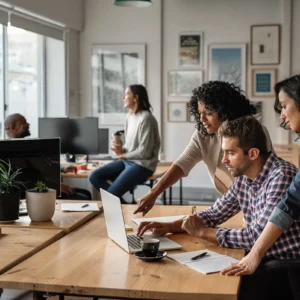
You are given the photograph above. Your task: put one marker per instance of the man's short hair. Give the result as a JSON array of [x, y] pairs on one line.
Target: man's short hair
[[249, 132]]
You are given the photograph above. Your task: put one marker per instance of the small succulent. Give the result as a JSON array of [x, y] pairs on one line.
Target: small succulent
[[8, 182], [40, 187]]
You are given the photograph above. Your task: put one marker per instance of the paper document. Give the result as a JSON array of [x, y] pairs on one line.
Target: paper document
[[83, 206], [212, 262], [138, 221]]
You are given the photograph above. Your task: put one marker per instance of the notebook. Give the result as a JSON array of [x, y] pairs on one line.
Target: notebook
[[116, 230], [138, 221], [211, 263], [82, 206]]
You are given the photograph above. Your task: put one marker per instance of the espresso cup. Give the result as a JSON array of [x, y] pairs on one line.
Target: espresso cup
[[150, 247]]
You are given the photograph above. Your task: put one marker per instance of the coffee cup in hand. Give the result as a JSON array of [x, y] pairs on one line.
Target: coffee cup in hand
[[117, 141], [150, 247]]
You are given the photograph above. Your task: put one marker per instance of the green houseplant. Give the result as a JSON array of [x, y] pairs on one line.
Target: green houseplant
[[10, 188], [40, 202]]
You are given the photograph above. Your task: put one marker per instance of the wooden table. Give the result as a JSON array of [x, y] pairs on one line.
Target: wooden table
[[17, 244], [66, 221], [87, 262]]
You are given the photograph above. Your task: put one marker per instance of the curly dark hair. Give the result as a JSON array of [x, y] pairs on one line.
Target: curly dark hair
[[291, 86], [225, 99]]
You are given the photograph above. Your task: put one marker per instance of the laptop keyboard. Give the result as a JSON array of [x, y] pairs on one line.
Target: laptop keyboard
[[134, 241]]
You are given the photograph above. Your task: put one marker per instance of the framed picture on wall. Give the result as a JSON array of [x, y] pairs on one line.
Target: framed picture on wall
[[182, 83], [114, 68], [227, 62], [191, 49], [265, 44], [263, 81], [177, 111]]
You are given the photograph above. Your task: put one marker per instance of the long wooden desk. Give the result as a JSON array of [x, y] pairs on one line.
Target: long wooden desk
[[66, 221], [87, 262], [161, 169]]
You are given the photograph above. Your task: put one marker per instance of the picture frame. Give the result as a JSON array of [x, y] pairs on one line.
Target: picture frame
[[191, 49], [114, 68], [227, 62], [177, 111], [182, 82], [265, 44], [263, 81]]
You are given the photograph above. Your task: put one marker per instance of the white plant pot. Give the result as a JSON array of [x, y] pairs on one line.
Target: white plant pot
[[40, 206]]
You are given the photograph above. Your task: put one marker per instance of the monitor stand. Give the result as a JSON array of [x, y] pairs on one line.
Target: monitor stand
[[71, 158]]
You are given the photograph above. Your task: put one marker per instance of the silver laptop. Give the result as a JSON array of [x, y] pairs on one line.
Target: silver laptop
[[116, 227]]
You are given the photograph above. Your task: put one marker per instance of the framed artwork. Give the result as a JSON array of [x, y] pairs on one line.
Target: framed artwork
[[263, 81], [182, 83], [177, 111], [227, 62], [191, 49], [258, 106], [114, 68], [265, 44]]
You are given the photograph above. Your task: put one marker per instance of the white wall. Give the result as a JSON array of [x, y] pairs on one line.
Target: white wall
[[68, 12]]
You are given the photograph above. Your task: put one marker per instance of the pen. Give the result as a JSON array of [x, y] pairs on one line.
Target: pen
[[199, 256], [85, 205]]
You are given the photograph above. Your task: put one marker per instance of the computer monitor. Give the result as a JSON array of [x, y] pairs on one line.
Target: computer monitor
[[38, 159], [103, 141], [77, 135]]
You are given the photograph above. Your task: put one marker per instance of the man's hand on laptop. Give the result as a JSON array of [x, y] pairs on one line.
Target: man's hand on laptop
[[157, 228]]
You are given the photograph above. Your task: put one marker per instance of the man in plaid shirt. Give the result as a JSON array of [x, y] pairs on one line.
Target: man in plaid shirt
[[261, 181]]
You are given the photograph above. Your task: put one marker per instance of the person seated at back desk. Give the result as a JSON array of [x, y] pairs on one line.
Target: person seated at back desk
[[16, 126]]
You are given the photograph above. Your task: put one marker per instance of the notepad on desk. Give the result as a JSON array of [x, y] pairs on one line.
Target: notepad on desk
[[83, 206], [138, 221], [212, 262]]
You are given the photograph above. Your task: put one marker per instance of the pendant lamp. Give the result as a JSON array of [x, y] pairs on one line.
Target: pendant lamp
[[133, 3]]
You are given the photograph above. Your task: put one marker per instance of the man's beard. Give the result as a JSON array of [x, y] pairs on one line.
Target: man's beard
[[239, 171], [25, 133]]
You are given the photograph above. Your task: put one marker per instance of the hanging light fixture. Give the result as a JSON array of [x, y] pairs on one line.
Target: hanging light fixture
[[133, 3]]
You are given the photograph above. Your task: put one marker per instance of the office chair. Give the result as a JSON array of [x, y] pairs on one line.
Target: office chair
[[292, 268]]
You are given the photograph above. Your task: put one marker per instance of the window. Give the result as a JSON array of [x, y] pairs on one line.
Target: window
[[24, 75], [32, 76]]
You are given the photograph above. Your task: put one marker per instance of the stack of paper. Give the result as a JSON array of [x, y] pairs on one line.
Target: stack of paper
[[212, 262], [91, 206], [158, 219]]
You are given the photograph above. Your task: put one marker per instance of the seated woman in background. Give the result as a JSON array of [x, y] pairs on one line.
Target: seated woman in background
[[139, 156], [287, 104], [211, 104]]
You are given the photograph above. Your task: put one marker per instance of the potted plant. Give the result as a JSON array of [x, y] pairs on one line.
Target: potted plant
[[40, 202], [9, 192]]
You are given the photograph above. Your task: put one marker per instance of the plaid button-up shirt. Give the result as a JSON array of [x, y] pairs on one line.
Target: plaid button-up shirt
[[256, 199]]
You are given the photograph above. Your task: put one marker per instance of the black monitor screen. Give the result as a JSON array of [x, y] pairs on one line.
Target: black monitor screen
[[77, 135], [38, 159], [103, 140]]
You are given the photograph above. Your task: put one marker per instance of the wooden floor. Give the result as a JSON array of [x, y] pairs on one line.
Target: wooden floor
[[27, 295]]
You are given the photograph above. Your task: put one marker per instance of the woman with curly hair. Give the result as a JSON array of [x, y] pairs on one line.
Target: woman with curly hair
[[211, 104]]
